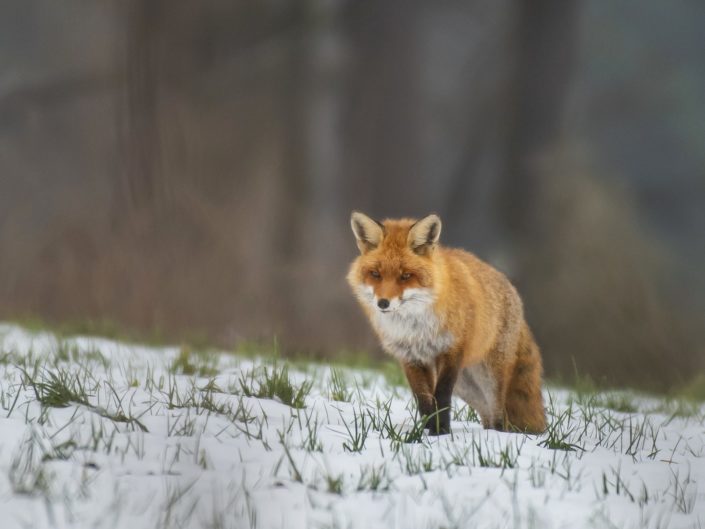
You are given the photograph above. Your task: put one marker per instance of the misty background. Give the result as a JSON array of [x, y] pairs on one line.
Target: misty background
[[189, 168]]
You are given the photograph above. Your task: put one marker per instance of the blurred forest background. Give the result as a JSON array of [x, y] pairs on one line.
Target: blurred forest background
[[190, 167]]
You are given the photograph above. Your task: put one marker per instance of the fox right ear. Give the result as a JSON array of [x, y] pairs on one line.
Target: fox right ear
[[368, 232]]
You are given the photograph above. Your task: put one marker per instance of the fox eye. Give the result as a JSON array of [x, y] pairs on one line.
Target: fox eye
[[375, 274], [405, 276]]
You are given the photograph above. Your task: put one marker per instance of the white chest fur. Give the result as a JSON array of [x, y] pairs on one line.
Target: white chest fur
[[411, 331]]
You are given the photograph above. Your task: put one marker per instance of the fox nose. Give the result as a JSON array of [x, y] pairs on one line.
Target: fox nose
[[383, 303]]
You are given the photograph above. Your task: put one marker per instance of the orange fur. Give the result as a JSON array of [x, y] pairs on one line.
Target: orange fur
[[470, 338]]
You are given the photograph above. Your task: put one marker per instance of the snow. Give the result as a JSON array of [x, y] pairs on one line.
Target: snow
[[153, 447]]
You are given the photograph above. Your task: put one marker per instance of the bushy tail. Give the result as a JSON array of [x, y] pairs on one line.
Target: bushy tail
[[524, 403]]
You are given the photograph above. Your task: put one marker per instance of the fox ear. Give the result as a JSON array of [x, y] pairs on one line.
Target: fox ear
[[368, 232], [424, 234]]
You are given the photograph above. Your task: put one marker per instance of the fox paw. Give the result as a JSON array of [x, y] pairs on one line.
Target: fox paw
[[441, 430]]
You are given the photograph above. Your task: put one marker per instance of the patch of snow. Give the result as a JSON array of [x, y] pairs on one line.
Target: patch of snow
[[154, 448]]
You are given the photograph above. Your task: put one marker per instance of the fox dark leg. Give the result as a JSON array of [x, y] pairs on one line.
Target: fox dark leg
[[447, 367], [421, 380]]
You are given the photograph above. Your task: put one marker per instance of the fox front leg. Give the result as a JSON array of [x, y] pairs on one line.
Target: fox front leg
[[421, 381], [447, 367]]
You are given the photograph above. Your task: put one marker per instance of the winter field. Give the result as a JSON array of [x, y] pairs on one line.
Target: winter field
[[96, 433]]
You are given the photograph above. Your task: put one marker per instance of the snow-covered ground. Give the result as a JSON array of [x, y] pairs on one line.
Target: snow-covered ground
[[94, 433]]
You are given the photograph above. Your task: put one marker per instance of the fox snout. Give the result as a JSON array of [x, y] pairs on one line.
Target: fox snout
[[385, 302], [387, 299], [380, 301], [388, 304]]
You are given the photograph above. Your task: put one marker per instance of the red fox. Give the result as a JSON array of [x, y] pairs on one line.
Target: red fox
[[455, 323]]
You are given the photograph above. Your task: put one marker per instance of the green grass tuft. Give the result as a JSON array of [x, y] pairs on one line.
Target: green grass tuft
[[338, 386], [201, 363], [58, 389], [275, 383], [559, 430]]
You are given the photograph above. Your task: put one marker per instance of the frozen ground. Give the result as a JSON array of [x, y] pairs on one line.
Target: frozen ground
[[95, 433]]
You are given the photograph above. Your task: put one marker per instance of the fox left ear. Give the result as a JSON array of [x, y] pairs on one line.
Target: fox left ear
[[424, 234]]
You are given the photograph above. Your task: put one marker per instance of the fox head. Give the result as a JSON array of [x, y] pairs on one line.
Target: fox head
[[394, 271]]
